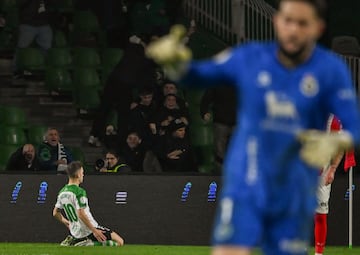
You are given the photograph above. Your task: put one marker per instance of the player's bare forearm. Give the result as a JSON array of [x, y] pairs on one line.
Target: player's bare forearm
[[98, 234], [58, 216], [337, 159], [83, 217]]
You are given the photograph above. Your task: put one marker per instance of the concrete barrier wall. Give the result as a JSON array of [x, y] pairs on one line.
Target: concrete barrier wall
[[143, 209]]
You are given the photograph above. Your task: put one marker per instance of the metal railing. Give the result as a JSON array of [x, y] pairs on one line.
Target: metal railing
[[233, 21], [237, 21], [354, 66]]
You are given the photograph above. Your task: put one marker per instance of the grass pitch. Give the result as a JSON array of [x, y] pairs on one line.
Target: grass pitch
[[55, 249]]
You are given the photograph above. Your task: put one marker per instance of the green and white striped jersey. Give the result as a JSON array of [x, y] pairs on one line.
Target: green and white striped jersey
[[70, 199]]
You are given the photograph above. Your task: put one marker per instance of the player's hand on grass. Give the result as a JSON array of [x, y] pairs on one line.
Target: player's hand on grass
[[319, 147], [99, 235], [171, 53]]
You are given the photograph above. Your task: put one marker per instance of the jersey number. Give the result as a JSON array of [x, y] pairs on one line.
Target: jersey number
[[71, 212]]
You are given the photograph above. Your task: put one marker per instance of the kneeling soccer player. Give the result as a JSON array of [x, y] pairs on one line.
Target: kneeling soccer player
[[83, 227]]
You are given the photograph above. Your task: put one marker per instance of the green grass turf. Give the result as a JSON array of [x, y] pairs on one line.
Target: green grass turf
[[55, 249]]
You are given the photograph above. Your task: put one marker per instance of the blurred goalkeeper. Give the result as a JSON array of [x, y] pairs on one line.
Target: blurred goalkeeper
[[286, 91]]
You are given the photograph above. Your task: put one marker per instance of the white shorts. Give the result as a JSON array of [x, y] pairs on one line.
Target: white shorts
[[323, 196]]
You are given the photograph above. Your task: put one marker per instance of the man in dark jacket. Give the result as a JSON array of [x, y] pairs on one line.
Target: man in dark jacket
[[23, 159], [141, 114], [134, 70], [174, 152]]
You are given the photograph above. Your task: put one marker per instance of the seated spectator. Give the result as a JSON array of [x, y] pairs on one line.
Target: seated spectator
[[112, 164], [53, 155], [141, 114], [167, 113], [174, 151], [138, 156], [23, 159], [134, 152], [170, 87]]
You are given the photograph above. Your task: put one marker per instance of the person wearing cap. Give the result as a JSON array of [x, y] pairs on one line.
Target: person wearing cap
[[174, 152]]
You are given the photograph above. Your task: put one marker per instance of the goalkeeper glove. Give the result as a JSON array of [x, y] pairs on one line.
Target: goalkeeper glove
[[171, 53], [319, 147]]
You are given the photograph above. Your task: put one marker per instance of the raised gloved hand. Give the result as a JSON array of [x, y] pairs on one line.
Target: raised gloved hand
[[170, 52], [319, 147]]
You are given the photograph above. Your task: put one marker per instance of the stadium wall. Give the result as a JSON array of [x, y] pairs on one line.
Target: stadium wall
[[143, 209]]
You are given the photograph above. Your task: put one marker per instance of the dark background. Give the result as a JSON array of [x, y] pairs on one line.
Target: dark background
[[154, 213], [343, 19]]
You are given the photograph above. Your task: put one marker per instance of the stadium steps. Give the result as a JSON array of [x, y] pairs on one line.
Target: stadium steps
[[43, 109]]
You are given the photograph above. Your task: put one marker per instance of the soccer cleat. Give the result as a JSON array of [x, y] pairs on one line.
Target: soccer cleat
[[84, 242], [67, 241]]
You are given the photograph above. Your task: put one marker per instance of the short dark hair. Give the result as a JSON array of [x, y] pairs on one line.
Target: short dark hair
[[113, 152], [320, 6], [73, 167]]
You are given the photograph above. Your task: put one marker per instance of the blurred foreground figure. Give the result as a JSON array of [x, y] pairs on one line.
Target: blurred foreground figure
[[286, 91]]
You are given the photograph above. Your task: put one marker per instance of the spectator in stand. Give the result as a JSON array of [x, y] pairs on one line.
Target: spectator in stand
[[174, 151], [134, 152], [112, 164], [133, 69], [166, 114], [170, 87], [23, 159], [141, 113], [222, 102], [34, 25], [53, 155]]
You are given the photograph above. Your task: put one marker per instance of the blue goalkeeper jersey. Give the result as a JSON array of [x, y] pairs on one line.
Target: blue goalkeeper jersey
[[274, 104]]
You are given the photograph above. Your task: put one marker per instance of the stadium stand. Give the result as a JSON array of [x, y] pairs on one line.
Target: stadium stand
[[79, 64]]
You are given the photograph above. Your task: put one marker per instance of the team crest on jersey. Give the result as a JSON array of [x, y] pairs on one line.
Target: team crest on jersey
[[279, 106], [309, 86], [264, 79]]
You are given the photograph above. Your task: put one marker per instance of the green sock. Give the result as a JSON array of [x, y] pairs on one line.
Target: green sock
[[105, 243]]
